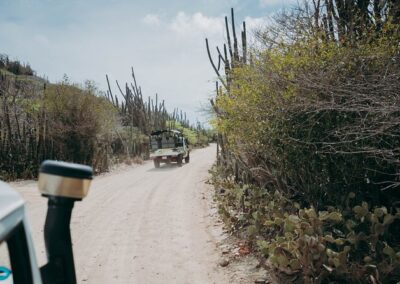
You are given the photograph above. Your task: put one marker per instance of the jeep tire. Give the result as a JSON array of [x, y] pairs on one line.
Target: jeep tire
[[179, 160]]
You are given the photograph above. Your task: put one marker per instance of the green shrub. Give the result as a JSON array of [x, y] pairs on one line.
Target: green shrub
[[318, 122], [355, 244], [310, 155], [77, 121], [197, 137]]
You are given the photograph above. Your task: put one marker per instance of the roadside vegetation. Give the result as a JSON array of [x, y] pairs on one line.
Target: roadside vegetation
[[308, 131], [64, 121]]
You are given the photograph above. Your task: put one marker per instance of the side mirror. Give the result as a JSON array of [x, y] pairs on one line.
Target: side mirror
[[63, 184]]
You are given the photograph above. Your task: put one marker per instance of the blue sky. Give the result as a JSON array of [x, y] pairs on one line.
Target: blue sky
[[162, 40]]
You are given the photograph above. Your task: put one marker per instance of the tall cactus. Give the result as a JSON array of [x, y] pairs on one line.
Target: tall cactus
[[230, 59], [235, 58], [146, 116]]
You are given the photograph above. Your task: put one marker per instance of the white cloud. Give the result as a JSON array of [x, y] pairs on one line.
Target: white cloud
[[151, 20], [256, 23], [186, 24], [265, 3], [170, 59]]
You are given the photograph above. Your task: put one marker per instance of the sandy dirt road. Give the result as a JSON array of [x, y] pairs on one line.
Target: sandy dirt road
[[141, 225]]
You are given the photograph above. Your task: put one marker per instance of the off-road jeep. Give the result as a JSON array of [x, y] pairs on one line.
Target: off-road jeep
[[168, 146]]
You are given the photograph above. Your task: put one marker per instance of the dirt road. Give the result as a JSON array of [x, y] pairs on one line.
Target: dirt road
[[141, 225]]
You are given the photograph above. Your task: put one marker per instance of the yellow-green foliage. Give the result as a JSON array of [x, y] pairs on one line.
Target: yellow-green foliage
[[294, 101], [196, 137], [315, 125]]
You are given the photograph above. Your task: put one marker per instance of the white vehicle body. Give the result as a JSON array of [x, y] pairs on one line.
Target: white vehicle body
[[168, 146], [14, 225], [62, 184]]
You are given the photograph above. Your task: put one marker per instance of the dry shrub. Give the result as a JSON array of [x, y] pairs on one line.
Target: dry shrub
[[318, 122], [79, 123], [52, 121], [128, 162], [314, 128], [137, 160]]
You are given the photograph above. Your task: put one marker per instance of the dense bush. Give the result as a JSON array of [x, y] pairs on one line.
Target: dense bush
[[318, 121], [52, 121], [310, 167], [78, 122]]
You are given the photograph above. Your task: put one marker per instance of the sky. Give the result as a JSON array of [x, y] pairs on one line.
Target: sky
[[164, 41]]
